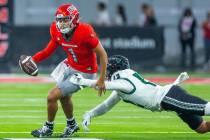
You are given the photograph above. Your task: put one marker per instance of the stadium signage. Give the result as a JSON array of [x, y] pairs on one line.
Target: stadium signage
[[146, 44], [129, 43]]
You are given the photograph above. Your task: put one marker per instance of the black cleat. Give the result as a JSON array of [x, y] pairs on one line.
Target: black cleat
[[45, 131], [69, 130]]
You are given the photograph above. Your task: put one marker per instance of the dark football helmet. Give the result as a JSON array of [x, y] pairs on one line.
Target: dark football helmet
[[116, 63]]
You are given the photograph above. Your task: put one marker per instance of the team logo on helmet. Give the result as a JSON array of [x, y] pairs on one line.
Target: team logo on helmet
[[71, 8]]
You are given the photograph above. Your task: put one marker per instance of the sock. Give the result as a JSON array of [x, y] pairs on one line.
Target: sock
[[71, 121], [207, 109], [49, 124]]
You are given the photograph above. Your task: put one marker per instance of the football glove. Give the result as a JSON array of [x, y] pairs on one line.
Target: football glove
[[76, 79], [86, 121]]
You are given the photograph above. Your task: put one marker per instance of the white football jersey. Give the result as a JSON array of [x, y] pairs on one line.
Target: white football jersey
[[131, 87], [143, 92]]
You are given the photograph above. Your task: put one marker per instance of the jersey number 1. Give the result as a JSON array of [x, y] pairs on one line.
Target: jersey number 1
[[73, 54]]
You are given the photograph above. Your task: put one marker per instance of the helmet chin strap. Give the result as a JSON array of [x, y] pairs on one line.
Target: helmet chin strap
[[65, 31]]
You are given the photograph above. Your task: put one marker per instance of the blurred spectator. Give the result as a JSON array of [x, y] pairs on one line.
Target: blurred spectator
[[103, 18], [148, 17], [186, 27], [206, 33], [120, 18]]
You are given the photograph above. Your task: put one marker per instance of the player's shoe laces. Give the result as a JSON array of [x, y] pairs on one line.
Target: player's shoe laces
[[45, 131], [69, 130]]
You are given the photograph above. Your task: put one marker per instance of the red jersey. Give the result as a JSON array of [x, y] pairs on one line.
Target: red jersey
[[79, 48], [206, 29]]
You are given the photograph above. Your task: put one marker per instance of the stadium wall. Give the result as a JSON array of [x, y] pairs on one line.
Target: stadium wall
[[40, 13], [143, 46]]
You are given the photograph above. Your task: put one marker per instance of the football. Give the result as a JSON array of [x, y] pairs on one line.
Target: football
[[28, 65]]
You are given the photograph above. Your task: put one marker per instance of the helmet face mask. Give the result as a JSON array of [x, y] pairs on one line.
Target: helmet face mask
[[67, 18], [116, 63], [63, 23]]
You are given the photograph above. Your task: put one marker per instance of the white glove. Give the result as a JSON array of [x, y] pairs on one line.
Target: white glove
[[86, 121], [76, 79]]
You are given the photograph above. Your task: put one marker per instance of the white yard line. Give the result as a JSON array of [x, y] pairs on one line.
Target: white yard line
[[43, 104], [51, 139], [41, 111], [37, 105], [116, 132], [21, 98], [95, 123], [25, 111], [19, 105], [107, 117]]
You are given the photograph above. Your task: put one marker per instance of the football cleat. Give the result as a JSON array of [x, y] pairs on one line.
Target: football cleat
[[70, 130], [181, 78], [45, 131]]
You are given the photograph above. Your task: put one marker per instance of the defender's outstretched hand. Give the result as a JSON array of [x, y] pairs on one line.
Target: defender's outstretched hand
[[76, 79], [86, 121]]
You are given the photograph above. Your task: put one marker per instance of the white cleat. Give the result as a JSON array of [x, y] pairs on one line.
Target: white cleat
[[181, 78]]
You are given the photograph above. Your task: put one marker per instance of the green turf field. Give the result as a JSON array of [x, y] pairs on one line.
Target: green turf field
[[23, 108]]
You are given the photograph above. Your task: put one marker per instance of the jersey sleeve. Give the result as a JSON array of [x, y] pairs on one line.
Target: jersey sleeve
[[46, 52], [91, 38], [119, 85], [49, 49], [106, 105]]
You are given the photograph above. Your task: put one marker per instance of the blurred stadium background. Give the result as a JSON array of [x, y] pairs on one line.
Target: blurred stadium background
[[24, 29]]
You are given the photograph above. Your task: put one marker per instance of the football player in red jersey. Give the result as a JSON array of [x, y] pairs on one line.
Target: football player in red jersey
[[82, 46]]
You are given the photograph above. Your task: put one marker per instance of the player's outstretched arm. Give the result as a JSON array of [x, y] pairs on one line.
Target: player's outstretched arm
[[100, 109], [119, 85], [46, 52], [103, 62]]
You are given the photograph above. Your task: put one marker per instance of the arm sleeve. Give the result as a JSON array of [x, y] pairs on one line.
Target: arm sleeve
[[120, 84], [105, 106], [91, 39], [46, 52]]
